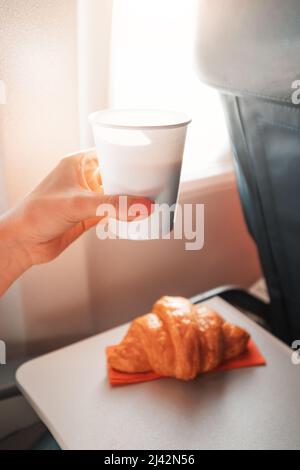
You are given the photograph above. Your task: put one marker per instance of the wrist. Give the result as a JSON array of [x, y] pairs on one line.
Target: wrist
[[14, 259]]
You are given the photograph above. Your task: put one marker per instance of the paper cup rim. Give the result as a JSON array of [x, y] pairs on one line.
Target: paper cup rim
[[100, 118]]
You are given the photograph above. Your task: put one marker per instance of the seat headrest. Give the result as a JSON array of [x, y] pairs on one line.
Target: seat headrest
[[249, 46]]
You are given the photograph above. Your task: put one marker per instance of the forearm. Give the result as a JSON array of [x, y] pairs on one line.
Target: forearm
[[14, 260]]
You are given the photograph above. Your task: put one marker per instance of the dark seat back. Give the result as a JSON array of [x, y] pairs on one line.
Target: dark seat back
[[250, 51]]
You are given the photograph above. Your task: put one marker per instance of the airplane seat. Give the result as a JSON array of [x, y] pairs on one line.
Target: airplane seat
[[249, 50]]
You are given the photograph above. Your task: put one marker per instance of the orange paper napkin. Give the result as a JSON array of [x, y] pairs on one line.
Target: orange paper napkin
[[250, 358]]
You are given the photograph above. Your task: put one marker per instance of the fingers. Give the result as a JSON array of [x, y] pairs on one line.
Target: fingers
[[90, 173], [83, 170], [87, 224], [91, 202], [88, 205]]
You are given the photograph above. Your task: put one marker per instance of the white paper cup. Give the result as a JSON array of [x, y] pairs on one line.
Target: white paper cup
[[140, 154]]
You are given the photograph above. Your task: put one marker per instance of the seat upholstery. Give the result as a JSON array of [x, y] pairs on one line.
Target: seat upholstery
[[250, 51]]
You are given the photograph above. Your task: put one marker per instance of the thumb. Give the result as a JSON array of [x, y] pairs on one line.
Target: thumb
[[90, 204]]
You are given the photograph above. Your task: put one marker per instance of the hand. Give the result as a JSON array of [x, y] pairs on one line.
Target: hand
[[54, 214]]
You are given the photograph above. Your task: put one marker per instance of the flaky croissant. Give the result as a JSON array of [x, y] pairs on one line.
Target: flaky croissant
[[177, 339]]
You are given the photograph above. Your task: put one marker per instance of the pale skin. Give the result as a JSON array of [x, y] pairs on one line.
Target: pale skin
[[58, 211]]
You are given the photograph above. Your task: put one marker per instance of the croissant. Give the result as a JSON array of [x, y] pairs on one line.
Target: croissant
[[177, 339]]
